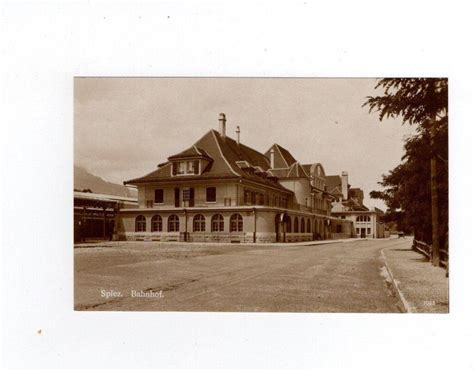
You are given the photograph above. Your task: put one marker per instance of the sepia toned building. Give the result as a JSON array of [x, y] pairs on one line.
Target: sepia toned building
[[349, 205], [220, 190], [95, 214]]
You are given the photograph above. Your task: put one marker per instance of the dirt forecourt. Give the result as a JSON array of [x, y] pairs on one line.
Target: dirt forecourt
[[146, 276]]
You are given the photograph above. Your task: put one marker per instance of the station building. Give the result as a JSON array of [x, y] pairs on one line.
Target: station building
[[220, 190]]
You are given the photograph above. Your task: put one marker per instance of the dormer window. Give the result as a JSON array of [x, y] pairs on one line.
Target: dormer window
[[190, 167], [192, 161], [181, 168]]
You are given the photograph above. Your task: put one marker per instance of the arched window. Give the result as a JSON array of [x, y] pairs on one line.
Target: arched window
[[296, 226], [156, 223], [217, 223], [140, 224], [358, 219], [308, 226], [236, 223], [368, 218], [302, 225], [173, 223], [199, 223]]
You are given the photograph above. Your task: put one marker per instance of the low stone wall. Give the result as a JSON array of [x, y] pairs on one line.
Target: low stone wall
[[239, 237], [221, 237], [299, 237], [149, 236]]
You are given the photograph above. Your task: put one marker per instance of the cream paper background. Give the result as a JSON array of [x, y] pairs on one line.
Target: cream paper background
[[44, 45]]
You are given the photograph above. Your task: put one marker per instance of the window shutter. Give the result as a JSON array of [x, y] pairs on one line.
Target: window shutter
[[196, 167], [191, 197], [176, 197]]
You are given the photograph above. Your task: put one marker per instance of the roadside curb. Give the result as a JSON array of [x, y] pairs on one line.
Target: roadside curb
[[287, 244], [408, 308]]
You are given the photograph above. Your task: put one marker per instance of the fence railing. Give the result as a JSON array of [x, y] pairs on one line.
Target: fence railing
[[427, 250]]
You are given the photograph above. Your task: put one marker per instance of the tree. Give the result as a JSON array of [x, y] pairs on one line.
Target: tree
[[407, 190], [422, 102]]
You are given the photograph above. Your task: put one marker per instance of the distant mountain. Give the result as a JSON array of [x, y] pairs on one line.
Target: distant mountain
[[83, 180]]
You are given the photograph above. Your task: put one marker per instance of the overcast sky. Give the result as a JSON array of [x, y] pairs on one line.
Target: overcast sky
[[124, 127]]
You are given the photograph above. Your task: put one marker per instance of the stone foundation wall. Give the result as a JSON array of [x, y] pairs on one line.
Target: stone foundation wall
[[148, 236], [299, 237], [242, 237]]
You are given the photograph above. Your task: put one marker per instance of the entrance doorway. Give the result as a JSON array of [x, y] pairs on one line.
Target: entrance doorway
[[281, 227]]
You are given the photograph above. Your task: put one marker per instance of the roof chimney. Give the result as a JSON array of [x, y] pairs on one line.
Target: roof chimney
[[272, 158], [345, 185], [222, 121], [238, 135]]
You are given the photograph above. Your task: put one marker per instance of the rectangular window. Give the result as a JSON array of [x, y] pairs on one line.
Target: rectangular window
[[357, 231], [190, 169], [211, 194], [186, 194], [181, 168], [254, 196], [368, 230], [176, 197], [159, 196], [247, 197]]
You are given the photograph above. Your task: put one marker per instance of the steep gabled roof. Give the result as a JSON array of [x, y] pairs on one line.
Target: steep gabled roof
[[307, 168], [313, 168], [332, 181], [233, 152], [294, 171], [289, 159], [280, 173], [191, 152], [353, 205], [224, 153], [283, 158]]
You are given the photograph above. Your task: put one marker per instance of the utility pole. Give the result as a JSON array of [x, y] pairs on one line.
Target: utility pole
[[434, 197]]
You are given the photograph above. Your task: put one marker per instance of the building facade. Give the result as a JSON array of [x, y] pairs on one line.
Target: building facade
[[95, 215], [220, 190], [349, 205]]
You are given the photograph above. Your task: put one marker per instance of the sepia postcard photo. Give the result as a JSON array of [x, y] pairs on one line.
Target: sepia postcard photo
[[261, 194], [236, 185]]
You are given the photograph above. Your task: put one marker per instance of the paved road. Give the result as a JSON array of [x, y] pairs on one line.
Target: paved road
[[342, 277]]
